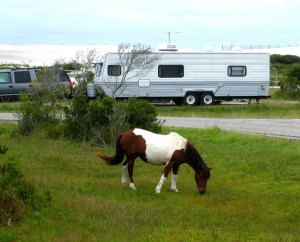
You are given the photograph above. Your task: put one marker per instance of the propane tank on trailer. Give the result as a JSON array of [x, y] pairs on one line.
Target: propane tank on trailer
[[91, 90]]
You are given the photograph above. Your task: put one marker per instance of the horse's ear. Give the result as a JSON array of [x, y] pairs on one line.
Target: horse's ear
[[210, 168]]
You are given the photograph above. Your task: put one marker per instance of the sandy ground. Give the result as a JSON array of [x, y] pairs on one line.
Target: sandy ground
[[41, 55]]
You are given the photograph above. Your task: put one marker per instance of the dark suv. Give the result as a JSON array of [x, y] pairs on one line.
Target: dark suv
[[14, 81]]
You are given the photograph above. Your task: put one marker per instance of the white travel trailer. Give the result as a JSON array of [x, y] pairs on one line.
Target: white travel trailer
[[192, 78]]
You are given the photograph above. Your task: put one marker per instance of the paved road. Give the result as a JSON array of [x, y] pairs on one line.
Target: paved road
[[287, 128], [7, 116]]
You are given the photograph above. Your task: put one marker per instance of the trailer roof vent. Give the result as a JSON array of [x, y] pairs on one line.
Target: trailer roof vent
[[168, 47], [237, 48], [208, 49]]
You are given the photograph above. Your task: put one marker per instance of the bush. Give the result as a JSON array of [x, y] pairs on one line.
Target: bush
[[76, 123], [40, 105], [142, 115], [17, 196], [101, 121], [287, 94], [290, 85], [33, 114]]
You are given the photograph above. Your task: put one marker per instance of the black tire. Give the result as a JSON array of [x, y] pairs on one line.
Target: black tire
[[207, 99], [191, 99]]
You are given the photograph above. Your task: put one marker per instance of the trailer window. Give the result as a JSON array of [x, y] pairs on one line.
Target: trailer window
[[237, 71], [114, 70], [170, 71]]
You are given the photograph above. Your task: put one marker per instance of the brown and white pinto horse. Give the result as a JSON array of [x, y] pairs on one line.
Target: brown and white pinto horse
[[170, 150]]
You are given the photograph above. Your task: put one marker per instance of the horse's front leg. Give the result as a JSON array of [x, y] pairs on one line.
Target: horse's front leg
[[164, 176], [174, 177]]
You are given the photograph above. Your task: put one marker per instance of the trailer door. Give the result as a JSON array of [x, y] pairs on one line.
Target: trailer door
[[144, 85]]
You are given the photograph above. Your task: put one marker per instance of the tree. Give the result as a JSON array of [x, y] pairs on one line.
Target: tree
[[293, 78], [284, 59], [277, 69], [135, 61], [82, 68]]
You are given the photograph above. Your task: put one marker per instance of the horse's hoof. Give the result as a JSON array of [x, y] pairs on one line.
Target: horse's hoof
[[132, 186], [157, 191]]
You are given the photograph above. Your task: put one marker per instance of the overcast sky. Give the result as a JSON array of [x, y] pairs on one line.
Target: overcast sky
[[201, 23]]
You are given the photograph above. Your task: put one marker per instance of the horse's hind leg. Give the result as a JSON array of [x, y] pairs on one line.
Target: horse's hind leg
[[130, 172], [174, 177], [124, 173]]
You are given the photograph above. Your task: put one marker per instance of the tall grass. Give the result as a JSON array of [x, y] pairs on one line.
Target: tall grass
[[253, 193], [9, 107]]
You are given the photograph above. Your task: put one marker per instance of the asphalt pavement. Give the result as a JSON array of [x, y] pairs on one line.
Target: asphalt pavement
[[287, 128]]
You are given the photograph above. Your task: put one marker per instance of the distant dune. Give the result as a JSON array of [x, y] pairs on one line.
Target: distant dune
[[41, 55]]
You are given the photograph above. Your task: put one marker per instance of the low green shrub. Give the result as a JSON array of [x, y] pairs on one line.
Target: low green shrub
[[290, 85], [3, 148], [33, 114], [287, 94], [99, 121], [143, 115], [102, 120], [17, 196]]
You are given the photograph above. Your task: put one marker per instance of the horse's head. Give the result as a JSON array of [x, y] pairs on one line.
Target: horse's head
[[201, 178]]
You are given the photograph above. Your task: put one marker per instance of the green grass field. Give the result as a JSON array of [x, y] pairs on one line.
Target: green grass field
[[253, 193], [266, 109]]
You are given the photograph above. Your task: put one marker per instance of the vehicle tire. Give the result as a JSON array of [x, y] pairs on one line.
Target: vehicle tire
[[207, 99], [191, 99]]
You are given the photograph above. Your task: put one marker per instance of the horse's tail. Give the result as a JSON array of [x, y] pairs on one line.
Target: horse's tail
[[117, 158]]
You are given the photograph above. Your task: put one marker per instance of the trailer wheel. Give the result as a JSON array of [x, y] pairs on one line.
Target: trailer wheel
[[191, 99], [207, 99]]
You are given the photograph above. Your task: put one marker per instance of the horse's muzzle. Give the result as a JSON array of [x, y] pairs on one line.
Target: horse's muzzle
[[201, 192]]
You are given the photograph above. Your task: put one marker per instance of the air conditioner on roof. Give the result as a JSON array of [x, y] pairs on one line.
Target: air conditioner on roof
[[168, 47]]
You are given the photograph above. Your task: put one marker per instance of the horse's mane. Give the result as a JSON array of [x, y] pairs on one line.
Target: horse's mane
[[196, 159]]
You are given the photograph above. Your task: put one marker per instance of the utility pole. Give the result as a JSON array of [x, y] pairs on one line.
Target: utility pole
[[170, 35]]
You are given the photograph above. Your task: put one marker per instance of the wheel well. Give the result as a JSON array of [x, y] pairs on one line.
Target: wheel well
[[199, 94]]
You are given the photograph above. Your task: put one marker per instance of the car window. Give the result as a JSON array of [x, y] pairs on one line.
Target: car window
[[63, 76], [22, 77], [5, 77]]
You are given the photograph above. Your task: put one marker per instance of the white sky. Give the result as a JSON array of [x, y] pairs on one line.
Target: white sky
[[201, 23]]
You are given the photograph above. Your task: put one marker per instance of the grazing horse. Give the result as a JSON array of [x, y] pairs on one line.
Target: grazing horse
[[170, 150]]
